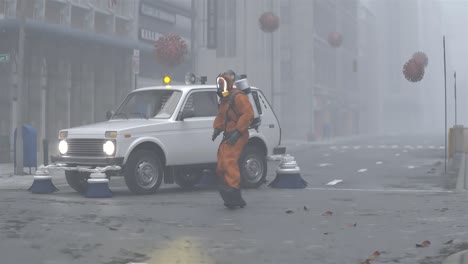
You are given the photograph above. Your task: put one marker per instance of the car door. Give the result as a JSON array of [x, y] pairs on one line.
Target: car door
[[194, 133]]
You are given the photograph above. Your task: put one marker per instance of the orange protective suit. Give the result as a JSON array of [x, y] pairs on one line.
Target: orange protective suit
[[228, 155]]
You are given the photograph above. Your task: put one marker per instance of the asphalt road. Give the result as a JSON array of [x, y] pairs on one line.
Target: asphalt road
[[393, 195]]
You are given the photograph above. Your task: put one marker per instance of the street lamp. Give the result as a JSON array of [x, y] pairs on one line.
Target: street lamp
[[19, 112]]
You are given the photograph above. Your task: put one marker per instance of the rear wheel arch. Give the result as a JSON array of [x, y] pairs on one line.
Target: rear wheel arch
[[258, 143]]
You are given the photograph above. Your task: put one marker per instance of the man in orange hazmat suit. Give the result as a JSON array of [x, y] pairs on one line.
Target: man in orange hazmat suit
[[235, 114]]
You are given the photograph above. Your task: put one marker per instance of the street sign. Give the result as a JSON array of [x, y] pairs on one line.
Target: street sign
[[4, 57], [136, 61]]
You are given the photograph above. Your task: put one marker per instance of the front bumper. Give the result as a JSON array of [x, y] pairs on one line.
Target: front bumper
[[88, 161]]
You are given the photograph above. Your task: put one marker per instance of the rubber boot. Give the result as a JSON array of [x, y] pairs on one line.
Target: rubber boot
[[232, 198]]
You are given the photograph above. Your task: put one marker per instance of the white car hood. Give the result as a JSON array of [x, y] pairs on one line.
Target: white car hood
[[98, 129]]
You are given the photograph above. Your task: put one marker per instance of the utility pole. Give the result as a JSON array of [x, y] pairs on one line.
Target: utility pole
[[19, 105], [455, 90]]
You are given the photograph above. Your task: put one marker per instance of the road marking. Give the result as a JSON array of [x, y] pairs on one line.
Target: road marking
[[432, 147], [357, 147], [411, 167], [183, 250], [370, 146], [376, 190], [343, 151], [395, 146], [379, 162], [333, 147], [405, 150], [442, 147], [325, 164], [398, 154], [419, 147], [345, 147], [362, 170], [334, 182], [326, 155], [382, 146]]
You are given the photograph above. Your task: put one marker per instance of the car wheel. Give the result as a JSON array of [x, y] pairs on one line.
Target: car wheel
[[143, 172], [77, 180], [253, 167], [187, 179]]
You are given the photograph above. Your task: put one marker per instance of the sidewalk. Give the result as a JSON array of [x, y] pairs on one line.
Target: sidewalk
[[10, 181]]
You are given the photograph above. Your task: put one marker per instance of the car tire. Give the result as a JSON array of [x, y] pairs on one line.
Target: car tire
[[187, 179], [253, 167], [78, 181], [143, 172]]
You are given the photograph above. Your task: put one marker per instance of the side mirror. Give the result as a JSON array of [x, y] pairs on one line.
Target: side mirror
[[187, 114], [109, 114]]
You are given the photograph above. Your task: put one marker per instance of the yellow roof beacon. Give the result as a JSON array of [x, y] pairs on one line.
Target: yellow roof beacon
[[167, 80]]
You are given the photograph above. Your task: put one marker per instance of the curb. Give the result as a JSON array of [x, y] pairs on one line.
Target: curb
[[457, 258]]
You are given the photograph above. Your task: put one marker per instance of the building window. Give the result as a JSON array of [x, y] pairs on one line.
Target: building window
[[226, 35]]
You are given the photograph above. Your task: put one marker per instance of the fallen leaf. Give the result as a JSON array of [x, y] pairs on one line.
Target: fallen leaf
[[326, 233], [289, 211], [305, 208], [449, 242], [376, 254], [327, 213], [424, 244]]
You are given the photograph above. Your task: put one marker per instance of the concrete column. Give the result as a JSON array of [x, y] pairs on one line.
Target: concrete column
[[458, 138]]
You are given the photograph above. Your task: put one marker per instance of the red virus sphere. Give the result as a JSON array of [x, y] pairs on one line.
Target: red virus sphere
[[413, 71], [269, 22], [335, 39], [170, 50]]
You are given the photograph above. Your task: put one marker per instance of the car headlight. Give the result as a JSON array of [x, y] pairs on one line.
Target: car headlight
[[63, 147], [108, 147]]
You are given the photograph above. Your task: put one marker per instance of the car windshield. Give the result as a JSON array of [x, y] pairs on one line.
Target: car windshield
[[159, 104]]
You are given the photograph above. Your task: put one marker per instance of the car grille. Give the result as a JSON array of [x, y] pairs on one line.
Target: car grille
[[85, 147]]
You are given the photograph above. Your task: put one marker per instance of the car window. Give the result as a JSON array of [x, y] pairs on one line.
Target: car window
[[257, 102], [203, 104], [149, 104]]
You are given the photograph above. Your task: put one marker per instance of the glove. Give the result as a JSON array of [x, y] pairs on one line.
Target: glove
[[216, 133], [234, 137]]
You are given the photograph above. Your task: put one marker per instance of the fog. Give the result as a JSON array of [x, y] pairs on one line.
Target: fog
[[79, 62]]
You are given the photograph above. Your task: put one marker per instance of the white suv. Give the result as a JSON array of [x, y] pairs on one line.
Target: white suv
[[164, 134]]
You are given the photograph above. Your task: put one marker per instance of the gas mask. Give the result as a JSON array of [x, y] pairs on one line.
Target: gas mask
[[222, 85]]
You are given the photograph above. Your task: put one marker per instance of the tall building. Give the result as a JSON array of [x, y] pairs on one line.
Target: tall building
[[312, 85], [77, 63], [406, 27]]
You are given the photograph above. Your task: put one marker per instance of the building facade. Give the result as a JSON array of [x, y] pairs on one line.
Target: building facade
[[158, 18], [77, 63], [312, 86]]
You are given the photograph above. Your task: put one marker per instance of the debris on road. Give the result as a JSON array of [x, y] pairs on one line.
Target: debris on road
[[425, 243], [374, 255], [327, 213]]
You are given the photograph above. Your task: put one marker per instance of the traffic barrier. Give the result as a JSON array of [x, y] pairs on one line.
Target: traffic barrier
[[288, 174], [98, 186], [42, 182]]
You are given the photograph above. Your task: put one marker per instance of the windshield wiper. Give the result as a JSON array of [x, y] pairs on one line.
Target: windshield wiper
[[120, 114], [139, 114]]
